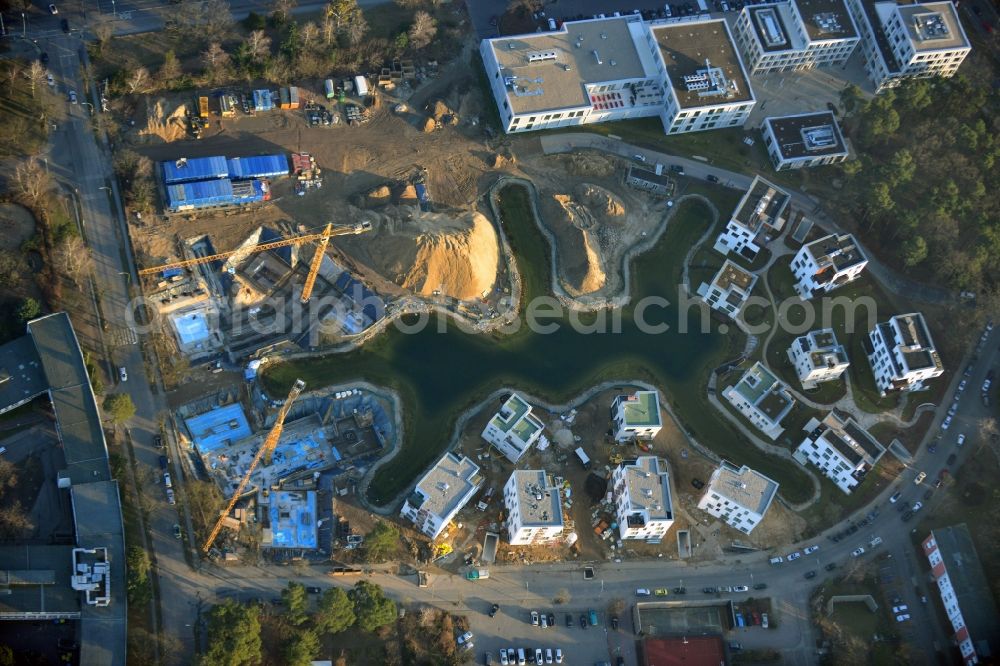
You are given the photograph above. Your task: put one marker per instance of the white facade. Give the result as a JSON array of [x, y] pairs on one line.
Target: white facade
[[909, 41], [643, 508], [513, 429], [760, 211], [786, 36], [636, 416], [762, 398], [604, 70], [841, 449], [729, 290], [825, 264], [534, 508], [804, 140], [902, 354], [818, 357], [739, 496], [441, 493]]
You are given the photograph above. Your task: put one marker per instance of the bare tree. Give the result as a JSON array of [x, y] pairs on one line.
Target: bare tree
[[423, 30], [35, 74], [32, 182], [170, 70], [258, 45], [73, 256], [215, 19], [409, 4], [139, 81], [13, 520], [283, 9], [328, 29], [215, 59], [310, 36], [103, 32], [356, 29], [13, 74]]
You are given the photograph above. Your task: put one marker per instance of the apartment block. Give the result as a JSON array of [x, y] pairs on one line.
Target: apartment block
[[534, 508], [738, 495], [513, 429], [902, 354], [729, 289], [965, 593], [762, 398], [636, 416], [901, 41], [823, 265], [441, 493], [804, 140], [818, 357], [643, 507], [795, 35], [760, 212], [841, 449]]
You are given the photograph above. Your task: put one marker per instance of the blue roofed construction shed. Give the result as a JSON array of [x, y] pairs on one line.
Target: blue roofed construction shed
[[186, 170], [259, 166], [218, 428]]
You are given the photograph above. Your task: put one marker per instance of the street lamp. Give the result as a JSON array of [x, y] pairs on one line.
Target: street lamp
[[90, 105]]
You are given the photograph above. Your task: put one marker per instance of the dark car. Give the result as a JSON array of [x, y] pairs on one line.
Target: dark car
[[708, 590], [583, 621], [494, 609], [569, 619], [932, 448], [677, 168], [830, 567], [760, 586], [158, 442], [44, 58], [64, 24], [680, 590], [712, 179], [907, 516], [312, 589], [552, 619], [810, 574], [903, 506], [951, 459], [698, 484], [163, 462], [614, 622]]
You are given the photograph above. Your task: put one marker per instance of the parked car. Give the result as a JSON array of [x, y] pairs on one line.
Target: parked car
[[64, 24], [778, 559], [895, 497], [642, 592], [548, 651], [900, 609], [907, 516], [951, 459], [539, 659], [53, 10], [698, 484], [962, 384], [545, 621], [170, 496], [961, 440], [660, 592], [583, 621], [166, 480], [741, 588], [51, 81], [810, 574], [917, 506], [830, 567], [929, 493], [559, 656], [810, 550], [312, 589], [763, 620], [552, 619], [614, 622], [946, 423], [593, 617], [493, 610], [503, 657], [793, 556], [760, 586], [920, 478], [569, 619], [467, 636], [122, 373], [680, 590], [534, 618], [43, 58], [903, 618], [709, 590], [858, 552], [177, 531]]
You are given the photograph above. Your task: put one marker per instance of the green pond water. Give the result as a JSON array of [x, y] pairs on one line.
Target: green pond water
[[439, 375]]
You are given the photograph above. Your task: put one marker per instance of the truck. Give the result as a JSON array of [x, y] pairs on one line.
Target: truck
[[421, 579], [329, 89], [583, 457], [478, 574], [203, 107]]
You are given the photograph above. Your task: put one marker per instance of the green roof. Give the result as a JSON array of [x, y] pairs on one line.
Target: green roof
[[641, 409]]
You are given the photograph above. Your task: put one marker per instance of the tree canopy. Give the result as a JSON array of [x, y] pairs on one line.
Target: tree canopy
[[119, 407], [296, 601], [335, 611], [372, 608], [381, 542], [233, 635]]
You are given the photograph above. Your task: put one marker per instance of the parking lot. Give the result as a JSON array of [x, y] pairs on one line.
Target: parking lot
[[512, 628]]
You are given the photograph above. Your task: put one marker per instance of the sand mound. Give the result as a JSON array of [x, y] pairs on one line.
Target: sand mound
[[168, 125], [600, 201], [457, 257], [594, 276], [576, 214], [587, 164]]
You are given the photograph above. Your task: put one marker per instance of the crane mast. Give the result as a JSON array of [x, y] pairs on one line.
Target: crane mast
[[265, 451]]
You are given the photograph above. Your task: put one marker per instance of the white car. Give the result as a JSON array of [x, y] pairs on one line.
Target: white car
[[643, 592], [895, 497], [946, 423], [548, 655], [464, 637], [793, 556], [558, 655], [170, 497], [122, 374], [53, 10], [953, 409], [917, 507], [903, 618], [763, 620], [538, 656], [166, 480], [51, 81], [961, 440], [545, 621], [986, 385], [900, 609], [503, 657], [920, 478], [741, 588], [858, 552], [534, 618], [810, 550], [962, 384]]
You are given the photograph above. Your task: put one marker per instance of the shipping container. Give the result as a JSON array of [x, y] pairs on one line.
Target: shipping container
[[262, 100], [293, 97], [203, 107], [422, 195], [360, 86], [283, 94], [199, 194], [227, 106], [329, 89], [185, 170], [258, 166]]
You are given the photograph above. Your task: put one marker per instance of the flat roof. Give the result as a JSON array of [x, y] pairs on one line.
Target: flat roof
[[769, 24], [192, 327], [826, 19], [744, 486], [972, 589], [218, 428], [291, 519], [917, 347], [762, 203], [648, 487], [807, 135], [649, 176], [881, 41], [641, 409], [685, 46], [932, 26], [731, 275], [840, 251], [539, 500], [515, 416], [21, 374], [446, 486], [564, 69], [755, 382], [26, 595], [683, 651]]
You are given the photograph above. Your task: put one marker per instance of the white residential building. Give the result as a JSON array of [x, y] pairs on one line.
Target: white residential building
[[818, 357], [534, 508], [603, 70], [514, 428], [729, 290], [804, 140], [795, 35], [762, 398], [643, 508], [841, 449], [825, 264], [761, 211], [739, 496], [441, 493], [636, 416], [902, 354], [901, 41], [965, 593]]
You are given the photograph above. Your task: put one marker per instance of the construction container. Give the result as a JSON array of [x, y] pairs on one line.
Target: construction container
[[283, 96], [262, 100], [360, 86], [199, 194], [227, 106], [249, 191], [293, 97], [329, 89], [203, 107], [258, 166], [185, 170]]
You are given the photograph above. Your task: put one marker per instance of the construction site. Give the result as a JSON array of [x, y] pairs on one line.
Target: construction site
[[281, 470]]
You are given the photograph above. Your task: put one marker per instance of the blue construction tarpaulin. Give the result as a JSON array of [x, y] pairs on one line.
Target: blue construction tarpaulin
[[186, 170], [262, 100], [200, 194], [258, 166]]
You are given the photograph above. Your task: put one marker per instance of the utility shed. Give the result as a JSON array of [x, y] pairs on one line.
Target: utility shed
[[258, 166], [186, 170]]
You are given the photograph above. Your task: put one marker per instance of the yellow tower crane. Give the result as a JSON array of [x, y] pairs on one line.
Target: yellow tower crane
[[265, 451], [317, 260]]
